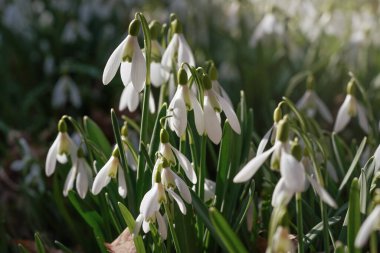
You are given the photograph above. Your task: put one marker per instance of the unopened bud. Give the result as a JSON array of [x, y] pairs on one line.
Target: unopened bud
[[277, 114], [283, 130]]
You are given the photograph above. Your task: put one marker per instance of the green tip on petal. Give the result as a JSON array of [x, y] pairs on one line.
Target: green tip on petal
[[213, 72], [134, 27], [155, 29], [164, 136], [182, 76], [277, 114], [62, 126], [206, 82], [351, 87]]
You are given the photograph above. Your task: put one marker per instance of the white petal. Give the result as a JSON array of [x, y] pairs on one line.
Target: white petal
[[198, 114], [131, 160], [304, 100], [323, 194], [162, 229], [82, 179], [212, 125], [367, 227], [178, 121], [75, 97], [152, 104], [149, 203], [293, 172], [281, 194], [363, 122], [185, 164], [230, 114], [181, 205], [139, 221], [322, 108], [51, 159], [125, 72], [113, 63], [182, 188], [122, 189], [124, 99], [343, 116], [156, 74], [209, 189], [247, 172], [102, 178], [138, 70], [146, 227], [263, 142], [377, 158], [59, 96], [167, 57], [331, 171], [184, 52], [69, 183]]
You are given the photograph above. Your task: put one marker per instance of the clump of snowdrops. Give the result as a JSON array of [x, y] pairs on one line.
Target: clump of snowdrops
[[190, 174]]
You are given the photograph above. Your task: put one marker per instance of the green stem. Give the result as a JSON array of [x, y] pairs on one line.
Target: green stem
[[202, 168], [143, 139], [172, 231], [299, 222], [373, 243]]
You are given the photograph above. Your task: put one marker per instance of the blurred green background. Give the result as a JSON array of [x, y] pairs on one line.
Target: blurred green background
[[53, 54]]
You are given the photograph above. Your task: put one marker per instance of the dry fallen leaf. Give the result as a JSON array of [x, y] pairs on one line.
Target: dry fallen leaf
[[122, 244]]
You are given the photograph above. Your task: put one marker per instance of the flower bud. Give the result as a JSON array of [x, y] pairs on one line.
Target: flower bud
[[134, 27], [182, 76]]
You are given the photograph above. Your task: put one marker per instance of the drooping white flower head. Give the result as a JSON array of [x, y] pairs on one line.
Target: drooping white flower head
[[144, 222], [109, 170], [179, 47], [184, 100], [66, 90], [213, 105], [281, 241], [371, 224], [156, 69], [61, 149], [311, 103], [216, 87], [170, 153], [129, 57], [351, 108], [280, 145], [81, 172], [130, 98]]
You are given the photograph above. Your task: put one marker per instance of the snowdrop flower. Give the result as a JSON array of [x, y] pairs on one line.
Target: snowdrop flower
[[184, 100], [170, 153], [311, 103], [60, 150], [268, 25], [130, 98], [371, 224], [156, 69], [213, 105], [281, 145], [216, 87], [109, 170], [271, 134], [179, 47], [144, 222], [351, 108], [66, 90], [80, 171], [129, 57]]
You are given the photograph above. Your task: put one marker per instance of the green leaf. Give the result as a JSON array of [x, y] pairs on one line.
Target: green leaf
[[147, 44], [155, 140], [128, 218], [39, 245], [22, 249], [353, 164], [225, 232], [96, 135], [363, 192], [62, 247], [317, 229], [354, 220]]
